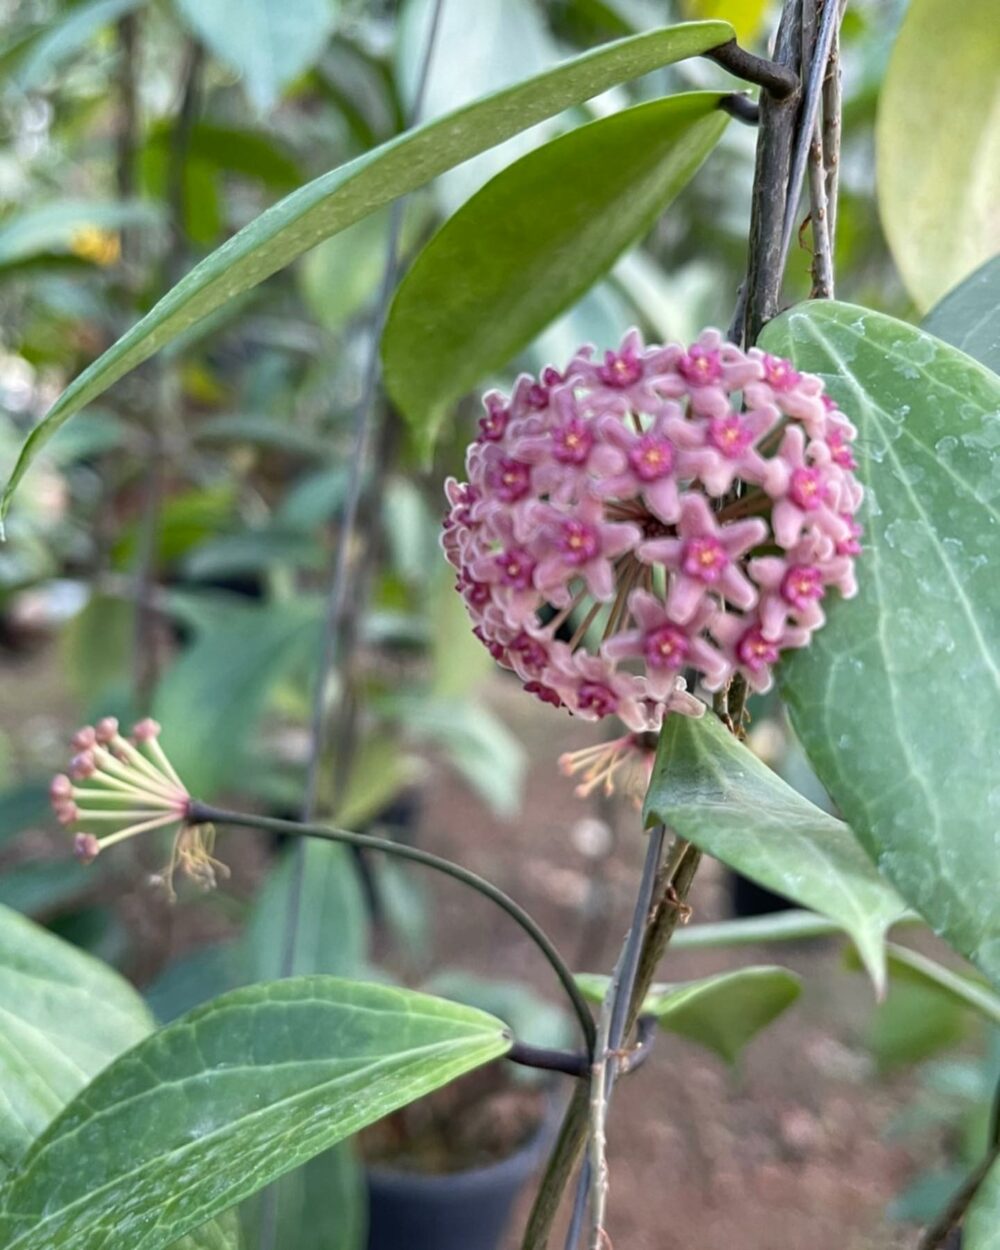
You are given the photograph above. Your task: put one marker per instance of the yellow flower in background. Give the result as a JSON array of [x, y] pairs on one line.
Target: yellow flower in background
[[103, 247]]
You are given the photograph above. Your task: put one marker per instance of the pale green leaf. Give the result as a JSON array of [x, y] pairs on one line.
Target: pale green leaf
[[66, 36], [722, 1012], [982, 1224], [531, 242], [345, 195], [332, 916], [939, 204], [896, 699], [56, 227], [211, 698], [268, 42], [63, 1017], [968, 317], [713, 791], [213, 1107], [502, 42]]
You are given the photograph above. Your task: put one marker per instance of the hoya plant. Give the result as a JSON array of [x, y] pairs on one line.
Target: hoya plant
[[645, 534]]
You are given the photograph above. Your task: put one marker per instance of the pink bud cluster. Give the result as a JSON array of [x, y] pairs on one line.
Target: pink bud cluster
[[667, 510], [120, 786]]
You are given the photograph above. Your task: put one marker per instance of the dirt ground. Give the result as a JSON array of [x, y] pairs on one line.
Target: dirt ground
[[790, 1152]]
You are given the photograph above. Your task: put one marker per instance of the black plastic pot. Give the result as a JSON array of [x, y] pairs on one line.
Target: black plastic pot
[[461, 1211]]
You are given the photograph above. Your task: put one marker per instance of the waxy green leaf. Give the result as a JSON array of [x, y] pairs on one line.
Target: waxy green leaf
[[713, 791], [968, 317], [345, 195], [722, 1012], [531, 242], [63, 1017], [897, 699], [938, 205], [213, 1107]]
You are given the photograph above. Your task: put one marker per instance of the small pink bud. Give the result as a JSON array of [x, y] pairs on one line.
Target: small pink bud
[[82, 765], [146, 729], [60, 787], [107, 729], [67, 812], [84, 738], [86, 848]]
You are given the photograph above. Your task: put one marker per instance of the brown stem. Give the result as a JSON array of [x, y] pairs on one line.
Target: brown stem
[[673, 886]]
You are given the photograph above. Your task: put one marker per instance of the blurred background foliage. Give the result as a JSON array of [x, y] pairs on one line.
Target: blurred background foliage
[[171, 549]]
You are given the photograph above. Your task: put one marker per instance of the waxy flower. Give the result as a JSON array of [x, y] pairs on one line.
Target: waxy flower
[[119, 787], [652, 513]]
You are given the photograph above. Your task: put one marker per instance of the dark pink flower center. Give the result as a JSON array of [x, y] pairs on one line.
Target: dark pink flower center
[[572, 441], [531, 652], [578, 542], [754, 650], [477, 594], [651, 457], [840, 450], [594, 696], [802, 585], [807, 489], [494, 648], [850, 546], [704, 558], [700, 367], [510, 479], [493, 425], [780, 374], [729, 435], [538, 395], [666, 647], [516, 568], [620, 369], [543, 692]]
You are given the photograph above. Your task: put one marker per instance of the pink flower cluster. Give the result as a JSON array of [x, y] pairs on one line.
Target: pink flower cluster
[[122, 786], [654, 512]]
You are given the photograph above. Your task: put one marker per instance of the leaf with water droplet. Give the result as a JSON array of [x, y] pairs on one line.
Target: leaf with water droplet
[[922, 707]]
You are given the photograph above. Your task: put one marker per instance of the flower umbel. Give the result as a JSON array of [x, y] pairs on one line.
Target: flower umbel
[[118, 787], [656, 512]]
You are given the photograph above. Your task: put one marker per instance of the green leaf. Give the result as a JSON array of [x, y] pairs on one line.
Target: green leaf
[[322, 1205], [332, 929], [982, 1224], [968, 317], [63, 1017], [894, 698], [96, 645], [939, 211], [502, 42], [43, 53], [211, 698], [221, 1234], [268, 42], [911, 966], [915, 1021], [54, 227], [216, 1105], [531, 242], [722, 1012], [345, 195], [710, 789], [783, 926]]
